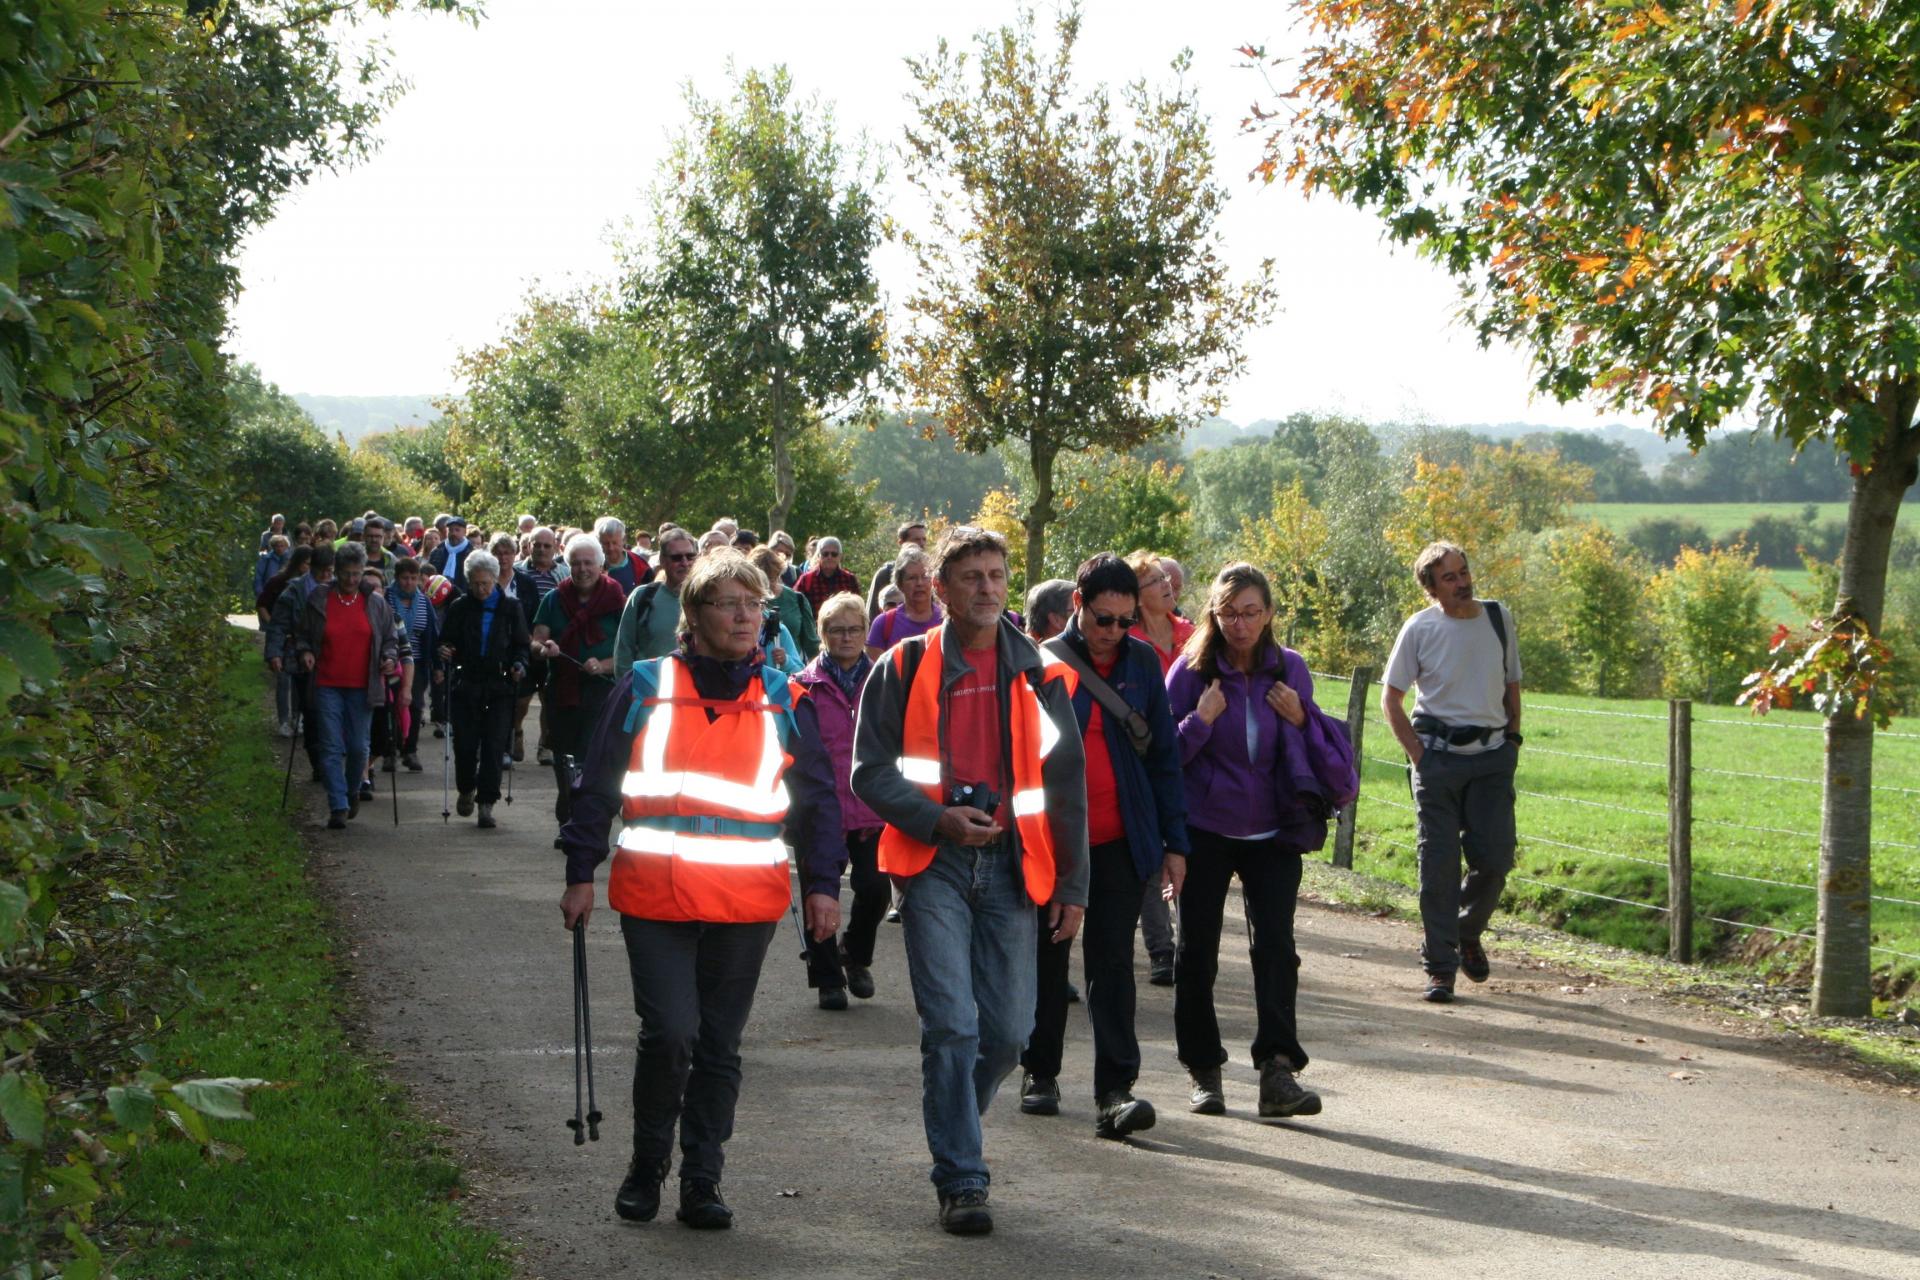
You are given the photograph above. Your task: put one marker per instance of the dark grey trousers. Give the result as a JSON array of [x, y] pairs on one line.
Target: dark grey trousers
[[693, 987], [1465, 806]]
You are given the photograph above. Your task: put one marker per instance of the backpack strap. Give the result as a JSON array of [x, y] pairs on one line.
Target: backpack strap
[[1495, 616]]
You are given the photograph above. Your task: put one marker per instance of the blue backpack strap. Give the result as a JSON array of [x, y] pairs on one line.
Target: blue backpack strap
[[646, 683], [778, 685]]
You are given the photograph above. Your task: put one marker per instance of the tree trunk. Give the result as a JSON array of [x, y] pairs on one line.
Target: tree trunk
[[783, 483], [1040, 514], [1843, 965]]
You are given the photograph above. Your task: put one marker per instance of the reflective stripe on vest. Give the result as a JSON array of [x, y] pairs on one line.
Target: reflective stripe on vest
[[1033, 737], [702, 802]]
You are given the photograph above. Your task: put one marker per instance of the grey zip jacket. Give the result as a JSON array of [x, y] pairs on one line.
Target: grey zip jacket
[[877, 779]]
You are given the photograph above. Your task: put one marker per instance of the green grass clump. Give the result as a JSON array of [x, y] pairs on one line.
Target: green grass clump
[[334, 1177], [1592, 816]]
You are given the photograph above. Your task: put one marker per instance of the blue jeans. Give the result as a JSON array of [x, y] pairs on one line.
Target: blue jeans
[[970, 937], [345, 719]]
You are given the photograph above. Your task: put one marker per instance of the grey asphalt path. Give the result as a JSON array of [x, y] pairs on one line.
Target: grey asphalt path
[[1545, 1125]]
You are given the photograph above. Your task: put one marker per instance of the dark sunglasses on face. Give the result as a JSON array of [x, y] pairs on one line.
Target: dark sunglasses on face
[[682, 557], [1124, 621]]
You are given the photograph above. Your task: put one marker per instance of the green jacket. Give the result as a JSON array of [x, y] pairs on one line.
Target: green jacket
[[796, 615]]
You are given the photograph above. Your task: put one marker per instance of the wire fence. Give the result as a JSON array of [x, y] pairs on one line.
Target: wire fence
[[1747, 832]]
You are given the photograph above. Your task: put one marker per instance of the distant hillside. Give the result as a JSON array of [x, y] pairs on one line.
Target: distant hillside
[[357, 416]]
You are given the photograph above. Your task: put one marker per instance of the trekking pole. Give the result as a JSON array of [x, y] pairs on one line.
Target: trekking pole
[[509, 765], [286, 784], [446, 745], [582, 1043]]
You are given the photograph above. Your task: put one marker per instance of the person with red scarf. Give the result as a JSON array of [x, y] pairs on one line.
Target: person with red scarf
[[574, 628]]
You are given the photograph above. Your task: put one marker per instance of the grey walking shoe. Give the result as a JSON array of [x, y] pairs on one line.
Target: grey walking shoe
[[1281, 1095], [486, 817], [1207, 1097], [965, 1213]]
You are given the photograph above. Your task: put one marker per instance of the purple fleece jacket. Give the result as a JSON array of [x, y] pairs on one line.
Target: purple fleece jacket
[[1297, 777]]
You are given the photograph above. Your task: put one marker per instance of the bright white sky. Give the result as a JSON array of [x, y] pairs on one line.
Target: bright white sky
[[525, 140]]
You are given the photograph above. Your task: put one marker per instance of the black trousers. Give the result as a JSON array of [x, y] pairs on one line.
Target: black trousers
[[693, 986], [309, 722], [871, 894], [572, 730], [1113, 913], [422, 682], [482, 730], [1270, 880]]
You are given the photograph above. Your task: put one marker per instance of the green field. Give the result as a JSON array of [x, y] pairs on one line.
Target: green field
[[1716, 517], [1592, 818]]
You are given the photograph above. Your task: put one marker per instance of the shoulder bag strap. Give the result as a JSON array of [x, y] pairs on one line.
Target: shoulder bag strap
[[1139, 732]]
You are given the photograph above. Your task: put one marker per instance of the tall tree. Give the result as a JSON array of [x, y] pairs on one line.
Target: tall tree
[[758, 288], [1072, 292], [1695, 210]]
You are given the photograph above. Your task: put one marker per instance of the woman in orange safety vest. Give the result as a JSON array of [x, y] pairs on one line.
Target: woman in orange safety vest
[[711, 767]]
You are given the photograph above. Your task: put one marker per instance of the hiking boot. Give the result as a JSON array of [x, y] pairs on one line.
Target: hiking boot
[[337, 820], [353, 803], [439, 731], [1207, 1098], [464, 805], [1439, 989], [1121, 1114], [860, 981], [833, 999], [412, 763], [543, 757], [1474, 962], [638, 1199], [701, 1206], [964, 1212], [1039, 1095], [485, 821], [1281, 1094], [387, 765], [519, 744], [1160, 973]]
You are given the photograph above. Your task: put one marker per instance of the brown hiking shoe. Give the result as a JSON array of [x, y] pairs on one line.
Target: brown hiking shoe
[[1281, 1095]]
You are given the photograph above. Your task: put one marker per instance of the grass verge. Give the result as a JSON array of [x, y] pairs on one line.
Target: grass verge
[[334, 1177]]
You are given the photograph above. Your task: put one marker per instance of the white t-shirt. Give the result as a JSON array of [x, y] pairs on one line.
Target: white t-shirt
[[1457, 668]]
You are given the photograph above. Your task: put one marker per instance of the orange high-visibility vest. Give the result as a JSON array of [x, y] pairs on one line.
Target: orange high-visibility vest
[[1033, 737], [703, 807]]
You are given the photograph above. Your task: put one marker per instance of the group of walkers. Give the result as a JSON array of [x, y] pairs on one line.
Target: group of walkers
[[999, 782]]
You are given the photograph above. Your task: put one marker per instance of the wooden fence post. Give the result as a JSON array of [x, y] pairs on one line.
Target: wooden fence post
[[1680, 830], [1356, 725]]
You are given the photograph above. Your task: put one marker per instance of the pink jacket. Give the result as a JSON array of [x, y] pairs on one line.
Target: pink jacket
[[836, 714]]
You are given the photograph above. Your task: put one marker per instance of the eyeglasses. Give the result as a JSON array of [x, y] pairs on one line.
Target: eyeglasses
[[739, 606], [1153, 581], [681, 557], [1252, 615], [844, 633], [1124, 621]]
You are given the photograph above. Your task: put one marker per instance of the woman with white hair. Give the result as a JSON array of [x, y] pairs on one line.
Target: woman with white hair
[[484, 643], [575, 627]]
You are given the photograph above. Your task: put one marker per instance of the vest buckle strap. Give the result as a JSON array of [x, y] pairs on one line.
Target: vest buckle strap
[[712, 825]]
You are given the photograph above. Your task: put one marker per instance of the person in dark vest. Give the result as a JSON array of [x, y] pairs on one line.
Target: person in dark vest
[[574, 629], [691, 754], [967, 748], [484, 643]]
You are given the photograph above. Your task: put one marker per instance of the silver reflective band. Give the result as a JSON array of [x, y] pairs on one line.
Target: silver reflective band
[[920, 771], [708, 789], [1027, 803], [712, 850], [1049, 731]]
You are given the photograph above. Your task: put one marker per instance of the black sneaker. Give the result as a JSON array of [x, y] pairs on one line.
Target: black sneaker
[[965, 1213], [1160, 974], [1474, 962], [1281, 1095], [386, 765], [860, 981], [833, 999], [1207, 1098], [1439, 989], [638, 1199], [701, 1206], [337, 820], [366, 789], [1121, 1114], [1039, 1095]]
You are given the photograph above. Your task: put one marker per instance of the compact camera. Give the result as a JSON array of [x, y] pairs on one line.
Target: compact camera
[[977, 794]]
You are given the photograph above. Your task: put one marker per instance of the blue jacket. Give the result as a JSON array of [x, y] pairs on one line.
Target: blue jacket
[[1153, 802]]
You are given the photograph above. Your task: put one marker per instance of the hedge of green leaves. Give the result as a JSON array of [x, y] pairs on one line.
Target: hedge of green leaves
[[138, 144]]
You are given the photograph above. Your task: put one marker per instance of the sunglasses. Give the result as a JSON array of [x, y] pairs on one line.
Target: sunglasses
[[1124, 621], [682, 557]]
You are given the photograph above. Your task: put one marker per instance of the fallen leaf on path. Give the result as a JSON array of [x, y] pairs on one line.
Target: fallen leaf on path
[[1683, 1075], [789, 1194], [1575, 991]]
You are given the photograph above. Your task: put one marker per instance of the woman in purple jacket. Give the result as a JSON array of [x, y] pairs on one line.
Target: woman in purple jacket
[[833, 681], [1265, 768]]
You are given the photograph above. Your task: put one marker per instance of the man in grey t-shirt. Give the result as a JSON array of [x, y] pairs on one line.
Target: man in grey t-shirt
[[1463, 741]]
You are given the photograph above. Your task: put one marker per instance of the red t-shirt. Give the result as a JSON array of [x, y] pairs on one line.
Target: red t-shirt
[[973, 725], [1103, 789], [343, 651]]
